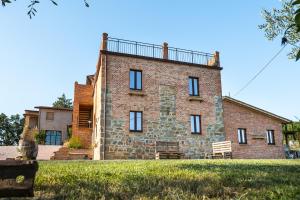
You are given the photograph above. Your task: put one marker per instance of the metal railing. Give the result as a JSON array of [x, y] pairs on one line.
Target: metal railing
[[156, 51], [134, 48], [189, 56]]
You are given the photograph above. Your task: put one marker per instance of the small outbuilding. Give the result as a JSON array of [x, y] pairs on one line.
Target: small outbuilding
[[254, 132]]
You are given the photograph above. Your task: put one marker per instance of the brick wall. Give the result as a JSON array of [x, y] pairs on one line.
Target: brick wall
[[83, 96], [166, 108], [256, 125]]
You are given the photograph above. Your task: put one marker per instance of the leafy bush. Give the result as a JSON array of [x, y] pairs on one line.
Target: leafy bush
[[40, 137], [75, 143], [69, 132]]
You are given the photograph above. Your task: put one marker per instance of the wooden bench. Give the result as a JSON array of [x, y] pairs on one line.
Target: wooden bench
[[221, 150], [167, 150], [17, 178]]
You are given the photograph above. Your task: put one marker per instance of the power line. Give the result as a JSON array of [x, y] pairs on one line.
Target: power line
[[260, 71]]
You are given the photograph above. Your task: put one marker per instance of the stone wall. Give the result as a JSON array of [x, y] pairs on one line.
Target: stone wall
[[166, 108], [256, 125]]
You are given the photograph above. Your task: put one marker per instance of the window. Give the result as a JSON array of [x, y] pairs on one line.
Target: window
[[53, 138], [193, 86], [242, 136], [135, 79], [196, 124], [50, 116], [270, 137], [136, 119]]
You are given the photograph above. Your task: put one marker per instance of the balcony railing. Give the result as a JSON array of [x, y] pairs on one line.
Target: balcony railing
[[189, 56], [157, 51], [134, 48]]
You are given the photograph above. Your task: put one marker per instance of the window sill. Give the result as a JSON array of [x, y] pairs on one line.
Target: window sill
[[133, 131], [136, 93], [195, 98], [258, 138], [196, 133]]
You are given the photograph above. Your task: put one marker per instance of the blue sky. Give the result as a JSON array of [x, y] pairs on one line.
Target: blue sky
[[42, 58]]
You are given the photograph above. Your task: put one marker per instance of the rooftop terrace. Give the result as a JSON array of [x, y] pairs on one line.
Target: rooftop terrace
[[163, 52]]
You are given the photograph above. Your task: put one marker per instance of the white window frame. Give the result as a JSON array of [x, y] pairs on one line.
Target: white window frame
[[195, 121], [270, 137], [242, 135]]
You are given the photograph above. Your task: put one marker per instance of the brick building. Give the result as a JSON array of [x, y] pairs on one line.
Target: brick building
[[83, 111], [142, 93], [255, 133], [54, 121]]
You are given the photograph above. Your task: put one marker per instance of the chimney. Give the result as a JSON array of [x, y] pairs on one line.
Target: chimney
[[104, 41], [165, 51], [217, 58]]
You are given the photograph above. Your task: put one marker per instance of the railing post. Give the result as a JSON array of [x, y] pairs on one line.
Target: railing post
[[217, 58], [165, 51], [192, 57], [153, 50], [104, 41], [136, 48], [118, 46]]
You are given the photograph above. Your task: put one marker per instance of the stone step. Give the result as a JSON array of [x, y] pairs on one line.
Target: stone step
[[64, 153]]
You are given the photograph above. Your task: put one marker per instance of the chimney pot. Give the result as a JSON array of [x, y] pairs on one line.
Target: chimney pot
[[104, 41], [165, 51]]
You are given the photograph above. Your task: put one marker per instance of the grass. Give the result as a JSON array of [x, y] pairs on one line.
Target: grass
[[169, 179]]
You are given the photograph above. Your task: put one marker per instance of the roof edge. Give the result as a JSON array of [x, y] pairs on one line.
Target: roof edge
[[241, 103], [160, 60], [31, 111], [53, 108]]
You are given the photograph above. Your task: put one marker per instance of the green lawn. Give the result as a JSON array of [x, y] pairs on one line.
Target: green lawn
[[170, 179]]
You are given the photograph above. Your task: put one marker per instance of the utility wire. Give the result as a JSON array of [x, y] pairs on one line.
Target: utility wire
[[260, 71]]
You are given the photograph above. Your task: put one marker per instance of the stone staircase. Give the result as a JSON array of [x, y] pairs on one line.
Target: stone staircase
[[64, 153]]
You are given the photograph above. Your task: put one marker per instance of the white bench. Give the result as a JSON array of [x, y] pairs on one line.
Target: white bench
[[221, 150]]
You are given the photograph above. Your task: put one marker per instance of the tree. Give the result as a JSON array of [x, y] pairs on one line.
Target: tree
[[292, 129], [63, 102], [32, 10], [285, 23], [10, 129]]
